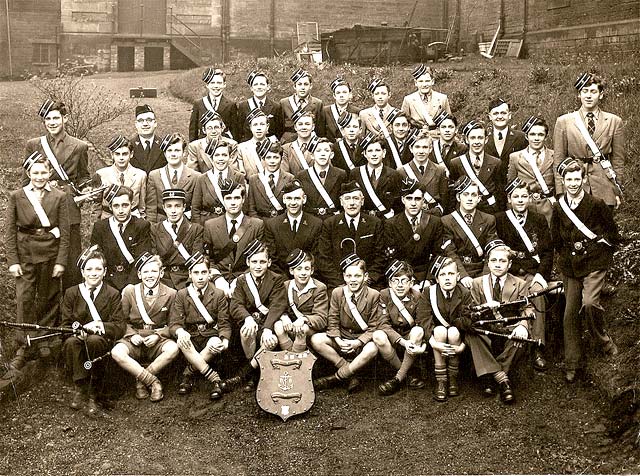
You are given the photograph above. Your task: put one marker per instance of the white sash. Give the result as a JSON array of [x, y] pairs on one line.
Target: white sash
[[595, 150], [253, 155], [164, 176], [292, 304], [354, 310], [523, 234], [199, 305], [216, 187], [381, 124], [466, 164], [253, 289], [52, 159], [438, 154], [207, 103], [345, 154], [292, 103], [84, 292], [174, 237], [272, 198], [140, 303], [253, 105], [123, 247], [395, 152], [467, 231], [320, 188], [335, 113], [487, 289], [401, 307], [300, 155], [575, 220], [372, 193], [205, 157], [536, 172], [433, 299], [412, 175], [40, 213]]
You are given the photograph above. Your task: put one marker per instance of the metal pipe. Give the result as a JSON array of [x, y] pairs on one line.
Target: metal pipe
[[6, 4]]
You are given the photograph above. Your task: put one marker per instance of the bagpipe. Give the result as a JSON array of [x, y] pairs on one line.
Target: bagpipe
[[81, 196], [75, 329]]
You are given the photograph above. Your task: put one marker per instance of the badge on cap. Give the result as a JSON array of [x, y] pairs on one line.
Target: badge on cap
[[46, 108], [210, 73], [194, 259], [85, 256], [583, 80], [209, 116], [469, 126], [111, 192], [492, 245], [438, 263], [117, 142], [32, 159], [349, 187], [348, 261], [256, 246], [440, 117], [298, 74], [565, 164], [296, 258], [408, 186], [143, 259], [462, 184], [420, 70], [228, 186], [514, 184], [393, 268], [174, 194], [374, 84], [528, 124], [497, 102]]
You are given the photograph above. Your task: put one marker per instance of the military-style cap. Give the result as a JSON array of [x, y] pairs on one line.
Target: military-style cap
[[514, 184], [143, 109], [213, 145], [110, 193], [300, 113], [375, 83], [166, 141], [85, 255], [394, 114], [256, 246], [291, 186], [497, 102], [228, 186], [313, 143], [462, 184], [344, 119], [338, 82], [564, 165], [209, 116], [117, 142], [528, 124], [438, 263], [348, 261], [409, 185], [209, 73], [46, 108], [296, 258], [32, 159], [413, 136], [440, 117], [253, 75], [194, 259], [143, 259], [469, 126], [368, 139], [174, 194], [583, 80], [493, 244], [420, 70], [349, 187], [394, 268], [298, 74], [257, 112]]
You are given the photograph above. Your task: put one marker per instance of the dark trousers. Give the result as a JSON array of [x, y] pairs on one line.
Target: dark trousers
[[72, 275], [483, 359], [75, 355]]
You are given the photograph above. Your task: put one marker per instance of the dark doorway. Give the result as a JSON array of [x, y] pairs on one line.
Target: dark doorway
[[153, 58], [142, 17], [126, 58]]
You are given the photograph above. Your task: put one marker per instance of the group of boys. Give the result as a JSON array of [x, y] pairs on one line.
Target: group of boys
[[367, 232]]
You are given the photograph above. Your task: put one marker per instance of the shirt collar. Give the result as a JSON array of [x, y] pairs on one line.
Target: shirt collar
[[143, 140], [113, 219], [504, 132], [472, 156], [310, 285], [47, 187], [179, 169], [179, 222], [462, 214], [577, 199], [238, 219], [154, 291], [501, 279], [355, 218], [98, 288], [596, 113], [532, 152], [58, 139], [409, 218], [276, 175], [377, 170], [291, 218]]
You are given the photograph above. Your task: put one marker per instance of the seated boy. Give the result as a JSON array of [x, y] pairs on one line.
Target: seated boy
[[444, 307], [97, 307], [399, 304], [348, 153], [146, 307], [199, 321], [308, 304], [199, 151], [354, 314]]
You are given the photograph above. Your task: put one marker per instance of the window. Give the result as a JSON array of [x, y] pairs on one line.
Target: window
[[44, 53]]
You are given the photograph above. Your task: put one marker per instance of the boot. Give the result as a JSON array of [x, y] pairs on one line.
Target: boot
[[452, 372], [186, 384], [323, 383], [216, 391], [142, 393], [156, 391], [389, 387], [440, 392], [77, 397]]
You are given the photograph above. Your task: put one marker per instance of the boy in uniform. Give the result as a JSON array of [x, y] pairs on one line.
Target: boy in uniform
[[374, 119], [37, 244], [174, 175], [98, 309], [175, 239], [199, 151], [124, 174], [348, 154], [215, 81], [199, 322], [146, 307], [584, 235], [354, 315], [266, 189], [402, 330], [423, 105], [445, 146], [299, 100], [258, 82], [147, 154], [249, 162], [342, 96], [398, 143], [296, 155]]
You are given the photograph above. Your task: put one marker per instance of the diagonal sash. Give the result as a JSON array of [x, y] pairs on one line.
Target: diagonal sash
[[140, 303], [595, 150], [52, 159], [84, 292], [401, 307], [372, 193], [292, 103], [320, 188], [253, 156], [272, 198], [395, 152], [39, 210], [253, 105], [487, 289], [174, 237], [253, 289], [575, 220], [424, 112], [199, 305], [538, 175], [412, 175], [164, 177], [123, 247], [472, 175], [345, 154], [299, 155], [433, 299], [207, 103], [438, 154], [335, 113], [467, 231], [205, 157], [381, 124], [354, 310], [216, 187], [523, 235], [292, 303]]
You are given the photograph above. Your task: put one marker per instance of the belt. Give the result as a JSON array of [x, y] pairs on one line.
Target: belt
[[35, 231], [148, 327], [198, 327], [537, 196], [119, 268], [594, 160], [322, 211], [470, 259], [177, 269]]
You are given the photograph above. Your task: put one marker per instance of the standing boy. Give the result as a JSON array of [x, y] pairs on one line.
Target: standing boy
[[258, 82], [215, 81], [266, 189], [423, 105], [374, 118], [341, 90], [301, 99]]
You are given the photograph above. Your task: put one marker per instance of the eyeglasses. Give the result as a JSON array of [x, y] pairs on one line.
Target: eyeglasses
[[403, 281]]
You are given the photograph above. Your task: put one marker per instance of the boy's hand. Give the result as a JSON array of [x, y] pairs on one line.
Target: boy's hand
[[466, 281], [520, 332], [151, 340], [298, 326], [16, 270], [287, 325], [269, 340], [137, 340], [58, 271], [183, 338], [250, 327]]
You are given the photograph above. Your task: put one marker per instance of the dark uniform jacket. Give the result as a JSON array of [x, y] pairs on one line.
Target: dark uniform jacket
[[455, 311], [191, 237], [514, 141], [226, 110], [434, 179], [387, 189], [258, 203], [456, 149], [272, 295], [398, 327], [329, 129], [147, 161], [108, 304], [313, 304], [490, 177], [205, 203], [281, 240], [155, 187], [288, 132], [341, 321], [158, 311], [270, 107], [185, 314], [332, 182], [355, 155], [404, 154]]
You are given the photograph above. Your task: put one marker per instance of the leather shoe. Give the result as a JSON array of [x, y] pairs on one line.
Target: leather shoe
[[506, 393], [324, 383], [489, 389], [453, 387], [216, 392], [156, 391], [539, 363], [231, 383], [142, 393], [570, 376], [250, 386], [440, 392], [186, 384], [608, 290], [389, 387], [77, 399], [92, 406], [354, 385], [416, 382]]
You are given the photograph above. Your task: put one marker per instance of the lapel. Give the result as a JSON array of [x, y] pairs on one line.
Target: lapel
[[245, 226], [302, 299], [429, 173], [331, 178], [184, 178], [509, 291], [184, 229], [161, 300], [486, 169], [265, 287], [601, 125], [284, 228], [508, 141]]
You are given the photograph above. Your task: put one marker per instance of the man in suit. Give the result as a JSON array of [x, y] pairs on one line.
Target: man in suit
[[424, 104], [266, 189], [176, 239], [347, 151], [227, 236], [292, 229], [146, 307], [466, 231], [300, 99], [413, 236], [349, 231], [534, 166], [480, 167], [199, 150], [296, 155], [374, 118], [342, 96], [596, 138], [258, 82], [215, 81], [322, 181], [121, 238], [527, 233], [446, 147], [147, 154], [584, 235], [174, 175], [69, 160]]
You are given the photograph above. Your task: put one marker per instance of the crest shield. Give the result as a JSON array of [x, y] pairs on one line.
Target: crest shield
[[285, 387]]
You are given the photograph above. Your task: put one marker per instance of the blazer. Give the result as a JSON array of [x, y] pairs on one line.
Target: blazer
[[226, 110], [456, 149], [520, 167], [197, 158], [158, 311], [135, 179], [185, 314], [458, 247], [248, 159], [387, 189], [258, 203], [490, 177], [313, 304], [190, 235], [400, 242], [355, 155], [270, 107], [272, 295], [227, 256], [405, 155], [456, 311], [137, 238], [514, 140], [513, 288], [608, 136], [155, 187], [72, 155], [155, 159], [434, 180], [398, 327], [24, 247], [330, 129], [288, 131], [537, 229], [413, 106], [281, 240], [108, 304], [291, 162], [205, 203], [368, 118], [341, 322], [332, 248], [332, 183]]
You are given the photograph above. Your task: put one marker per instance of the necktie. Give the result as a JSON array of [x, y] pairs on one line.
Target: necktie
[[477, 163], [92, 293], [175, 228], [323, 174], [200, 294], [444, 150], [121, 178], [258, 282], [536, 155], [272, 182], [150, 292], [520, 217], [400, 147], [353, 300], [121, 228], [591, 123], [260, 104], [147, 145], [497, 291], [352, 148], [303, 147], [381, 113], [421, 169], [174, 179], [232, 231], [414, 224], [468, 218], [352, 225], [294, 226], [220, 179], [372, 177], [302, 103], [499, 135]]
